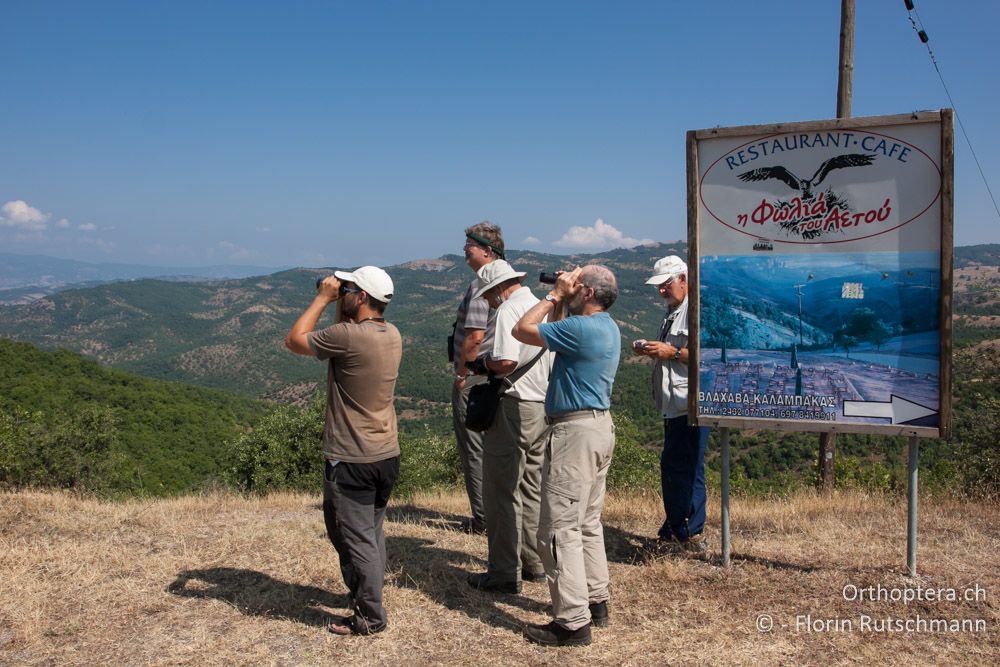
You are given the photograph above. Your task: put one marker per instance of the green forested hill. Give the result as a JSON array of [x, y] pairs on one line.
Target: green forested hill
[[229, 334], [170, 436]]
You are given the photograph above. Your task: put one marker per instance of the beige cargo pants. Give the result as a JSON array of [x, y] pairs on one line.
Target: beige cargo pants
[[570, 533]]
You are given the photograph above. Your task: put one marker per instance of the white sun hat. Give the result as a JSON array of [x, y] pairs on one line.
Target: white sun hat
[[492, 274]]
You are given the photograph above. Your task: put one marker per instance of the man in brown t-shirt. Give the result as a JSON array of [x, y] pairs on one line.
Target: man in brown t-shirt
[[360, 445]]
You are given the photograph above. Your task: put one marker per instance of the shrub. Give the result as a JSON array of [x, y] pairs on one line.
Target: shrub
[[82, 452], [284, 453], [429, 461], [633, 466], [281, 453]]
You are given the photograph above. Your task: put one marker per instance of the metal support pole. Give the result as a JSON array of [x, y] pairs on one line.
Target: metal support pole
[[724, 442], [911, 508]]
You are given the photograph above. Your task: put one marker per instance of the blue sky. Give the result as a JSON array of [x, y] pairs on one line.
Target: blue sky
[[339, 134]]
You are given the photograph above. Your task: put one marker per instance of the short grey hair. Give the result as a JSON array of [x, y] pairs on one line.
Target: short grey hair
[[603, 282]]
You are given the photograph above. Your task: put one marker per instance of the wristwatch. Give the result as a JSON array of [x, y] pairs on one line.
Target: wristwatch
[[677, 354], [551, 299]]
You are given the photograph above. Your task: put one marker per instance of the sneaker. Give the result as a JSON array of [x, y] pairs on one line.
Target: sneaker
[[553, 634], [599, 614], [696, 546], [482, 581], [533, 577]]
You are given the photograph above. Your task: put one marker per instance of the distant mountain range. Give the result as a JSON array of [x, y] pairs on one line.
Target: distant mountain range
[[228, 334], [24, 278]]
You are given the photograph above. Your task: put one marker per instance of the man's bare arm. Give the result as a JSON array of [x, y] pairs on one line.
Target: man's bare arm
[[470, 345], [566, 287], [297, 339], [501, 366]]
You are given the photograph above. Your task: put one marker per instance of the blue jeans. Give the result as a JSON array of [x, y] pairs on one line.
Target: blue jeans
[[682, 476]]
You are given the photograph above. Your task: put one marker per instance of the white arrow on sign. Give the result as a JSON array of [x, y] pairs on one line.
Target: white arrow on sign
[[899, 410]]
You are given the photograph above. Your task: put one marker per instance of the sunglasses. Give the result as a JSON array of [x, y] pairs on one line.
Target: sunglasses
[[344, 289]]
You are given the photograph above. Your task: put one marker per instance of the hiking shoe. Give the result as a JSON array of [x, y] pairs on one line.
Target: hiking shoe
[[469, 526], [353, 625], [482, 581], [599, 614], [533, 577], [553, 634], [696, 546], [665, 547]]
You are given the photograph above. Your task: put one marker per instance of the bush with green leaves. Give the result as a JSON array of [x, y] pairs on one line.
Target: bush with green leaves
[[284, 453], [429, 461], [633, 466], [83, 452], [281, 453]]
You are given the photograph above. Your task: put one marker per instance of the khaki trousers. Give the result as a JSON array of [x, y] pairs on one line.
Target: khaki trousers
[[570, 534], [512, 481]]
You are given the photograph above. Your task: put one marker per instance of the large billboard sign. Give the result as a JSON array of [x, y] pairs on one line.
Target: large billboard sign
[[820, 262]]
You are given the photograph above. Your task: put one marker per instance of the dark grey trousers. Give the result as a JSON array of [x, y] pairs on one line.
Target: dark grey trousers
[[470, 450], [354, 499]]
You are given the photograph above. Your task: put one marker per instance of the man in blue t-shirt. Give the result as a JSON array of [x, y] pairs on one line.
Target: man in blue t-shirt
[[581, 440]]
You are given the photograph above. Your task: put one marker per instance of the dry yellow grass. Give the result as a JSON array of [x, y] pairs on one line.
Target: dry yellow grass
[[223, 579]]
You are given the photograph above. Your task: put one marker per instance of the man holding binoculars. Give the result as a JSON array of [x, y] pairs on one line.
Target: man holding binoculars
[[360, 444]]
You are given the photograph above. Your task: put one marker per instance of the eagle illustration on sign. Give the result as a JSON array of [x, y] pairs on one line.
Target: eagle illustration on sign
[[803, 185]]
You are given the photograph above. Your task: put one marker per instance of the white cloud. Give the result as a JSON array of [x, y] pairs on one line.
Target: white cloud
[[18, 214], [87, 227], [600, 236], [234, 251], [531, 240], [63, 223], [263, 229]]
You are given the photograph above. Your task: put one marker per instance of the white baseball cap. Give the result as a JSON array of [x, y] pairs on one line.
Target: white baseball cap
[[494, 273], [666, 269], [371, 279]]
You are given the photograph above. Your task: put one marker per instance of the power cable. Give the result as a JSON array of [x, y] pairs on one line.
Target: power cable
[[922, 35]]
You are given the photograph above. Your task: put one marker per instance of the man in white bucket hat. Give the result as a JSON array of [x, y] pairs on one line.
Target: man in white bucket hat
[[514, 444]]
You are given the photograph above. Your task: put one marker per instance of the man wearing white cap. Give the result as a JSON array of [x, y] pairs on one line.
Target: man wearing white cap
[[360, 444], [682, 463], [514, 443]]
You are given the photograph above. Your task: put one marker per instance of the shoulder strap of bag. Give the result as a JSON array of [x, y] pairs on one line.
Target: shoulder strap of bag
[[519, 373]]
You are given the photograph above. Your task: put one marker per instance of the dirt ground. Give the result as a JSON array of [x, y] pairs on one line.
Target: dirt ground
[[222, 579]]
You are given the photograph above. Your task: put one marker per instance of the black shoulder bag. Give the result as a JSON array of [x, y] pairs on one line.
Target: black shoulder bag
[[484, 399]]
